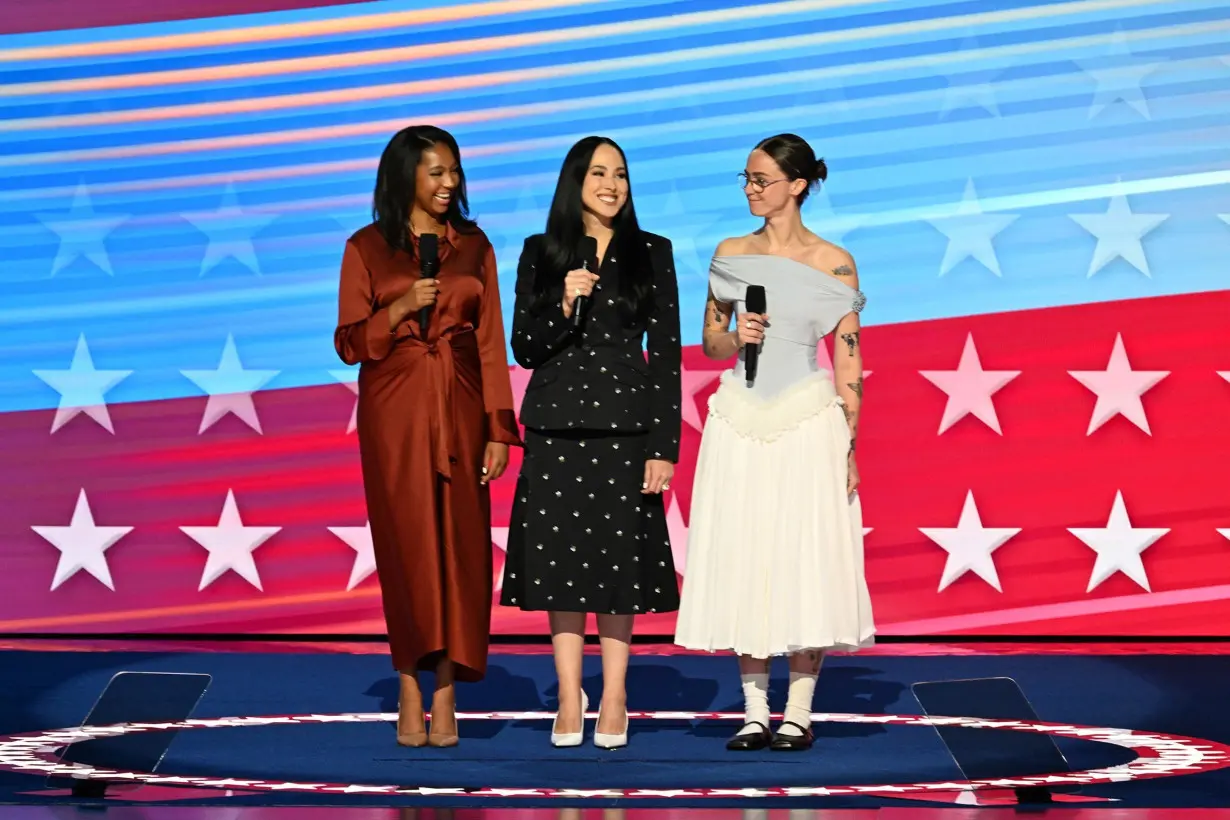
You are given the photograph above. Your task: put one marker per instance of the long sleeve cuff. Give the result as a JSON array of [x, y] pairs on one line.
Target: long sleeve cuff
[[502, 427], [662, 445], [379, 337]]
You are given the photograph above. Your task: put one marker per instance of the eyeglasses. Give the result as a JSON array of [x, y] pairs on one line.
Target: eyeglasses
[[758, 183]]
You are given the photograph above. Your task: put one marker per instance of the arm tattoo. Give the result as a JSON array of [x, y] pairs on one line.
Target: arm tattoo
[[857, 387], [851, 340], [843, 270]]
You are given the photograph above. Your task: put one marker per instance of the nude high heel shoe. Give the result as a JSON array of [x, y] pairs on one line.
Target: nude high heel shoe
[[411, 739], [570, 738]]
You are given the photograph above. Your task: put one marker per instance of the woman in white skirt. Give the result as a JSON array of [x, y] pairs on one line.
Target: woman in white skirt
[[775, 546]]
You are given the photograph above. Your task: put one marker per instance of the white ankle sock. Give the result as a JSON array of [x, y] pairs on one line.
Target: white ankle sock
[[798, 703], [755, 700]]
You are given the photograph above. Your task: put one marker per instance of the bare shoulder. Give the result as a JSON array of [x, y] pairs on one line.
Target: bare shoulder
[[734, 246], [834, 260]]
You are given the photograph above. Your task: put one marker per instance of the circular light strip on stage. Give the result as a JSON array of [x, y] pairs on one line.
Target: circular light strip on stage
[[1158, 755]]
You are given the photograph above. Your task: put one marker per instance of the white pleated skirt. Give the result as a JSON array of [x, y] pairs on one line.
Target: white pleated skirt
[[775, 544]]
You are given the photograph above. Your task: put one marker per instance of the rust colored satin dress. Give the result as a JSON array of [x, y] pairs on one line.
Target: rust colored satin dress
[[427, 408]]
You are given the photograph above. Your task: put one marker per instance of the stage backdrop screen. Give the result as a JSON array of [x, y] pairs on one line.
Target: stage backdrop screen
[[1036, 195]]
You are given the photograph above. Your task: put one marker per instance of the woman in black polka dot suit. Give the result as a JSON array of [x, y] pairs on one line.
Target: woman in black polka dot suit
[[588, 530]]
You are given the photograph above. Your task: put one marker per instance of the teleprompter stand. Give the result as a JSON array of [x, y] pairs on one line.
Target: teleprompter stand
[[994, 755], [132, 697]]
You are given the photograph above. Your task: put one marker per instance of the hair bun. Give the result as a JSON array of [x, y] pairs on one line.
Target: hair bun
[[822, 170]]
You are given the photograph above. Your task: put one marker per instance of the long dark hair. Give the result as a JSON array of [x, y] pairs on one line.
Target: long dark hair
[[565, 227], [396, 189]]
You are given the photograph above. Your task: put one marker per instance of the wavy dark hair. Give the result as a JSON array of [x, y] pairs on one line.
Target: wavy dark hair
[[396, 189], [565, 227]]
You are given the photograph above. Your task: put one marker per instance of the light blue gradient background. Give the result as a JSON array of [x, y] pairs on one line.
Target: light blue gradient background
[[865, 82]]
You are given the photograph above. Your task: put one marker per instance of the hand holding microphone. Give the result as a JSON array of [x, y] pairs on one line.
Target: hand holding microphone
[[750, 330], [579, 283], [421, 296]]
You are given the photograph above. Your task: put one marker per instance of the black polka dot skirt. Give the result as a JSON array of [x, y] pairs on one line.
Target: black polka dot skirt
[[582, 536]]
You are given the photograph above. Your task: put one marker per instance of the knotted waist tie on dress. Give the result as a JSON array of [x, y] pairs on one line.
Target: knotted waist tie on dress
[[441, 354]]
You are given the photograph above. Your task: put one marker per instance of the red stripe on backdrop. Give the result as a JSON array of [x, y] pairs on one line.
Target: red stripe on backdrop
[[61, 15], [1043, 475]]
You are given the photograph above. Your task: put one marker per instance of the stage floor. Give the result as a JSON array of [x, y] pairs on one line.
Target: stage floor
[[299, 728]]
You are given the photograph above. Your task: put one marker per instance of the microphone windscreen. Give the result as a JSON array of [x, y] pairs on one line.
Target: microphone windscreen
[[429, 247], [589, 250], [755, 299]]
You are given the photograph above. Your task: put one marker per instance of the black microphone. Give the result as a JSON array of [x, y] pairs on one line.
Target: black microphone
[[429, 265], [755, 301], [589, 261]]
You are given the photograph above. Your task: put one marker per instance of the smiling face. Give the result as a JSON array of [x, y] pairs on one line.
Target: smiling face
[[436, 178], [605, 187], [767, 188]]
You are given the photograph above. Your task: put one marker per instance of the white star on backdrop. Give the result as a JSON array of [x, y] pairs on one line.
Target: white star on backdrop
[[230, 388], [970, 388], [499, 539], [358, 539], [1119, 389], [520, 379], [1119, 233], [230, 230], [1118, 546], [693, 382], [969, 545], [1118, 75], [829, 224], [350, 378], [1225, 533], [973, 88], [678, 533], [686, 229], [230, 545], [83, 233], [82, 388], [529, 218], [352, 217], [1224, 218], [1225, 374], [82, 545], [970, 232]]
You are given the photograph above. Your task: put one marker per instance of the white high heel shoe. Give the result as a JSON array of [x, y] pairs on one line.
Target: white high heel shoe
[[605, 741], [571, 738]]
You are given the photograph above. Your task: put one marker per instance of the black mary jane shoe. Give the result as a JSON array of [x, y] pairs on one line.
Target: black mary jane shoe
[[793, 743], [750, 741]]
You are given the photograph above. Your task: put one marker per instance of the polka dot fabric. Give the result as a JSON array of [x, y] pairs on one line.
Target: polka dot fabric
[[583, 537]]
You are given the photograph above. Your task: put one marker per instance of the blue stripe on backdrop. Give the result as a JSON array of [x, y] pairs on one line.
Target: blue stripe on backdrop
[[726, 51], [1042, 108], [508, 25]]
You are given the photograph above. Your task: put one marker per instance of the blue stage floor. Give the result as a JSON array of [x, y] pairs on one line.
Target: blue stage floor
[[1163, 694]]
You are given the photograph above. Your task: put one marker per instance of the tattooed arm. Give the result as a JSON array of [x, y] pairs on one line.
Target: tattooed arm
[[718, 340], [848, 354]]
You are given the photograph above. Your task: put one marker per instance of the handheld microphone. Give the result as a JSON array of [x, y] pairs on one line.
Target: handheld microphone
[[429, 265], [755, 301], [589, 260]]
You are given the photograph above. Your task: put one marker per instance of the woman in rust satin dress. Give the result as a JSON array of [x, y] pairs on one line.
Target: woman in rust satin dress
[[435, 419]]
